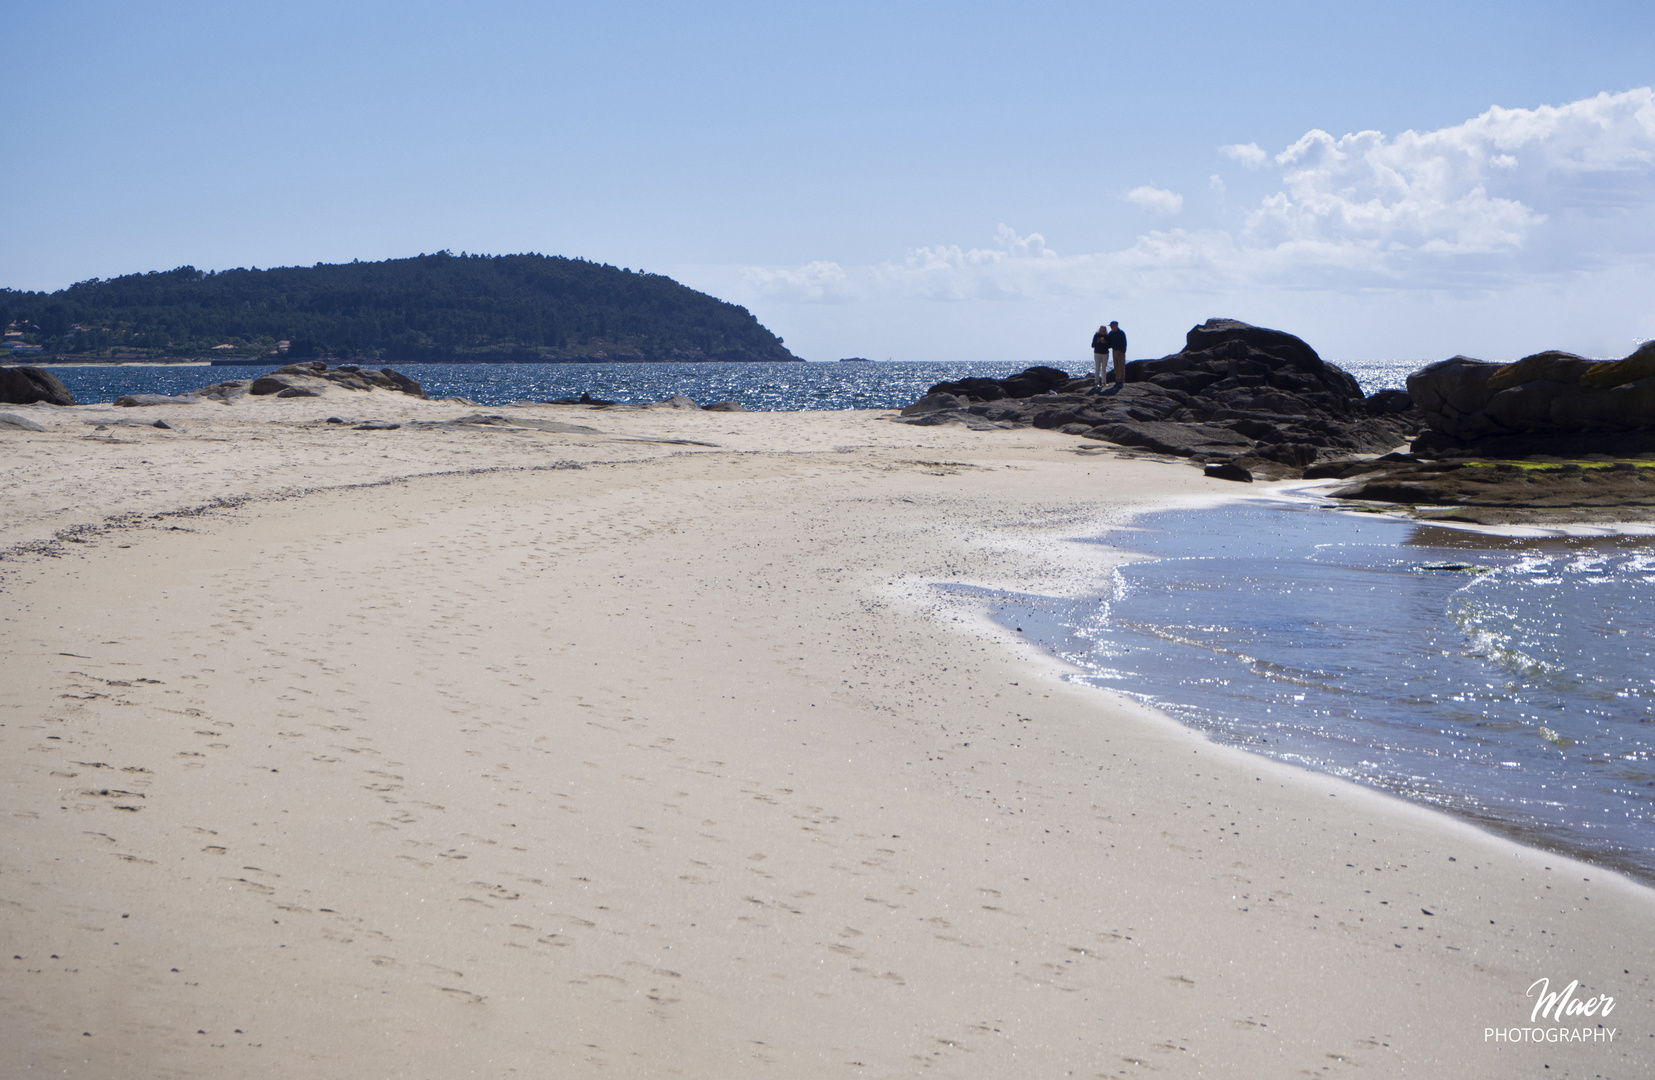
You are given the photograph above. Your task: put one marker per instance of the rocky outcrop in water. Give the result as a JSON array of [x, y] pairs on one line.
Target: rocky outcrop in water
[[1552, 403], [27, 385], [1500, 492], [1256, 398]]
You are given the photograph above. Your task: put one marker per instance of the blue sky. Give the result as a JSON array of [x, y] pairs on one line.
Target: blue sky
[[919, 181]]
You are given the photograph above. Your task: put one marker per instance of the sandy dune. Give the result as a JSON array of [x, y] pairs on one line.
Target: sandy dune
[[469, 751]]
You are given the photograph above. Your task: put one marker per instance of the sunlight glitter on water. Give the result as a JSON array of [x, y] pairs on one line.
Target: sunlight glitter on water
[[1514, 689]]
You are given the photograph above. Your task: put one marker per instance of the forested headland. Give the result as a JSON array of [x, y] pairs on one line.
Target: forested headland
[[430, 308]]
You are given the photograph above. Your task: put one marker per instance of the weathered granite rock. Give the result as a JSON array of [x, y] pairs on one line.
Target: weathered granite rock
[[1234, 391], [1552, 403], [725, 406], [935, 401], [1555, 486], [1181, 440], [584, 399], [1229, 470], [313, 378], [224, 393], [1028, 383], [13, 422], [27, 385]]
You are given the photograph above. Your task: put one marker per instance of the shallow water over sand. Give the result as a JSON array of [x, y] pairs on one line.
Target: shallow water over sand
[[1505, 679]]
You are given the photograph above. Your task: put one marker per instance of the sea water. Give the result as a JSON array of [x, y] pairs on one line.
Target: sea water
[[1505, 679], [758, 387]]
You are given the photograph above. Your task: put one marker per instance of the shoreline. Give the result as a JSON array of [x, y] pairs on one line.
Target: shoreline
[[670, 703], [1059, 626]]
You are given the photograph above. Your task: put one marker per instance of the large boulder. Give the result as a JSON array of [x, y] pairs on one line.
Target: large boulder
[[1025, 384], [1552, 403], [936, 401], [27, 385], [313, 378], [1234, 392], [1251, 360]]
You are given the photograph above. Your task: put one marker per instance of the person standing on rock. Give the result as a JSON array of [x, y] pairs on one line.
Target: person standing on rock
[[1100, 354], [1115, 339]]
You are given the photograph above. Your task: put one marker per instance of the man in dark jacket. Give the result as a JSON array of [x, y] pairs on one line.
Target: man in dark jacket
[[1115, 339]]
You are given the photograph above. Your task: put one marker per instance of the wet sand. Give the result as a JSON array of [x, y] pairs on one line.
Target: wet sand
[[651, 751]]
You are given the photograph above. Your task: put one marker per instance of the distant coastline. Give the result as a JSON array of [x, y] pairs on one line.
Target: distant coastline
[[437, 308]]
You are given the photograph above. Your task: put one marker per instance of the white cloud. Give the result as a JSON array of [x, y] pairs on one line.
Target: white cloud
[[1017, 266], [1248, 154], [1502, 204], [1157, 199], [1216, 182], [1484, 187], [817, 282]]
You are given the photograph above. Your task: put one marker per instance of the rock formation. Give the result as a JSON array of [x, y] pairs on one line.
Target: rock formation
[[27, 385], [312, 378], [1552, 403], [1259, 399], [1499, 492]]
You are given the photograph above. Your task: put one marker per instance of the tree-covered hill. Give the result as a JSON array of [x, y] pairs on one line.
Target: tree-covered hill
[[440, 307]]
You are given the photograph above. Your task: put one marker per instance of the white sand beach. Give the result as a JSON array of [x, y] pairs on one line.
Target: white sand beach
[[650, 750]]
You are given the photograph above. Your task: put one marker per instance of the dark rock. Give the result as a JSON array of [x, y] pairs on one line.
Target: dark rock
[[376, 426], [1035, 380], [163, 425], [273, 383], [13, 422], [970, 389], [334, 420], [584, 399], [27, 385], [1339, 469], [294, 391], [1551, 403], [1234, 390], [1389, 403], [401, 382], [1228, 470], [1505, 485], [1297, 455], [935, 401], [1056, 417], [724, 406], [1180, 440]]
